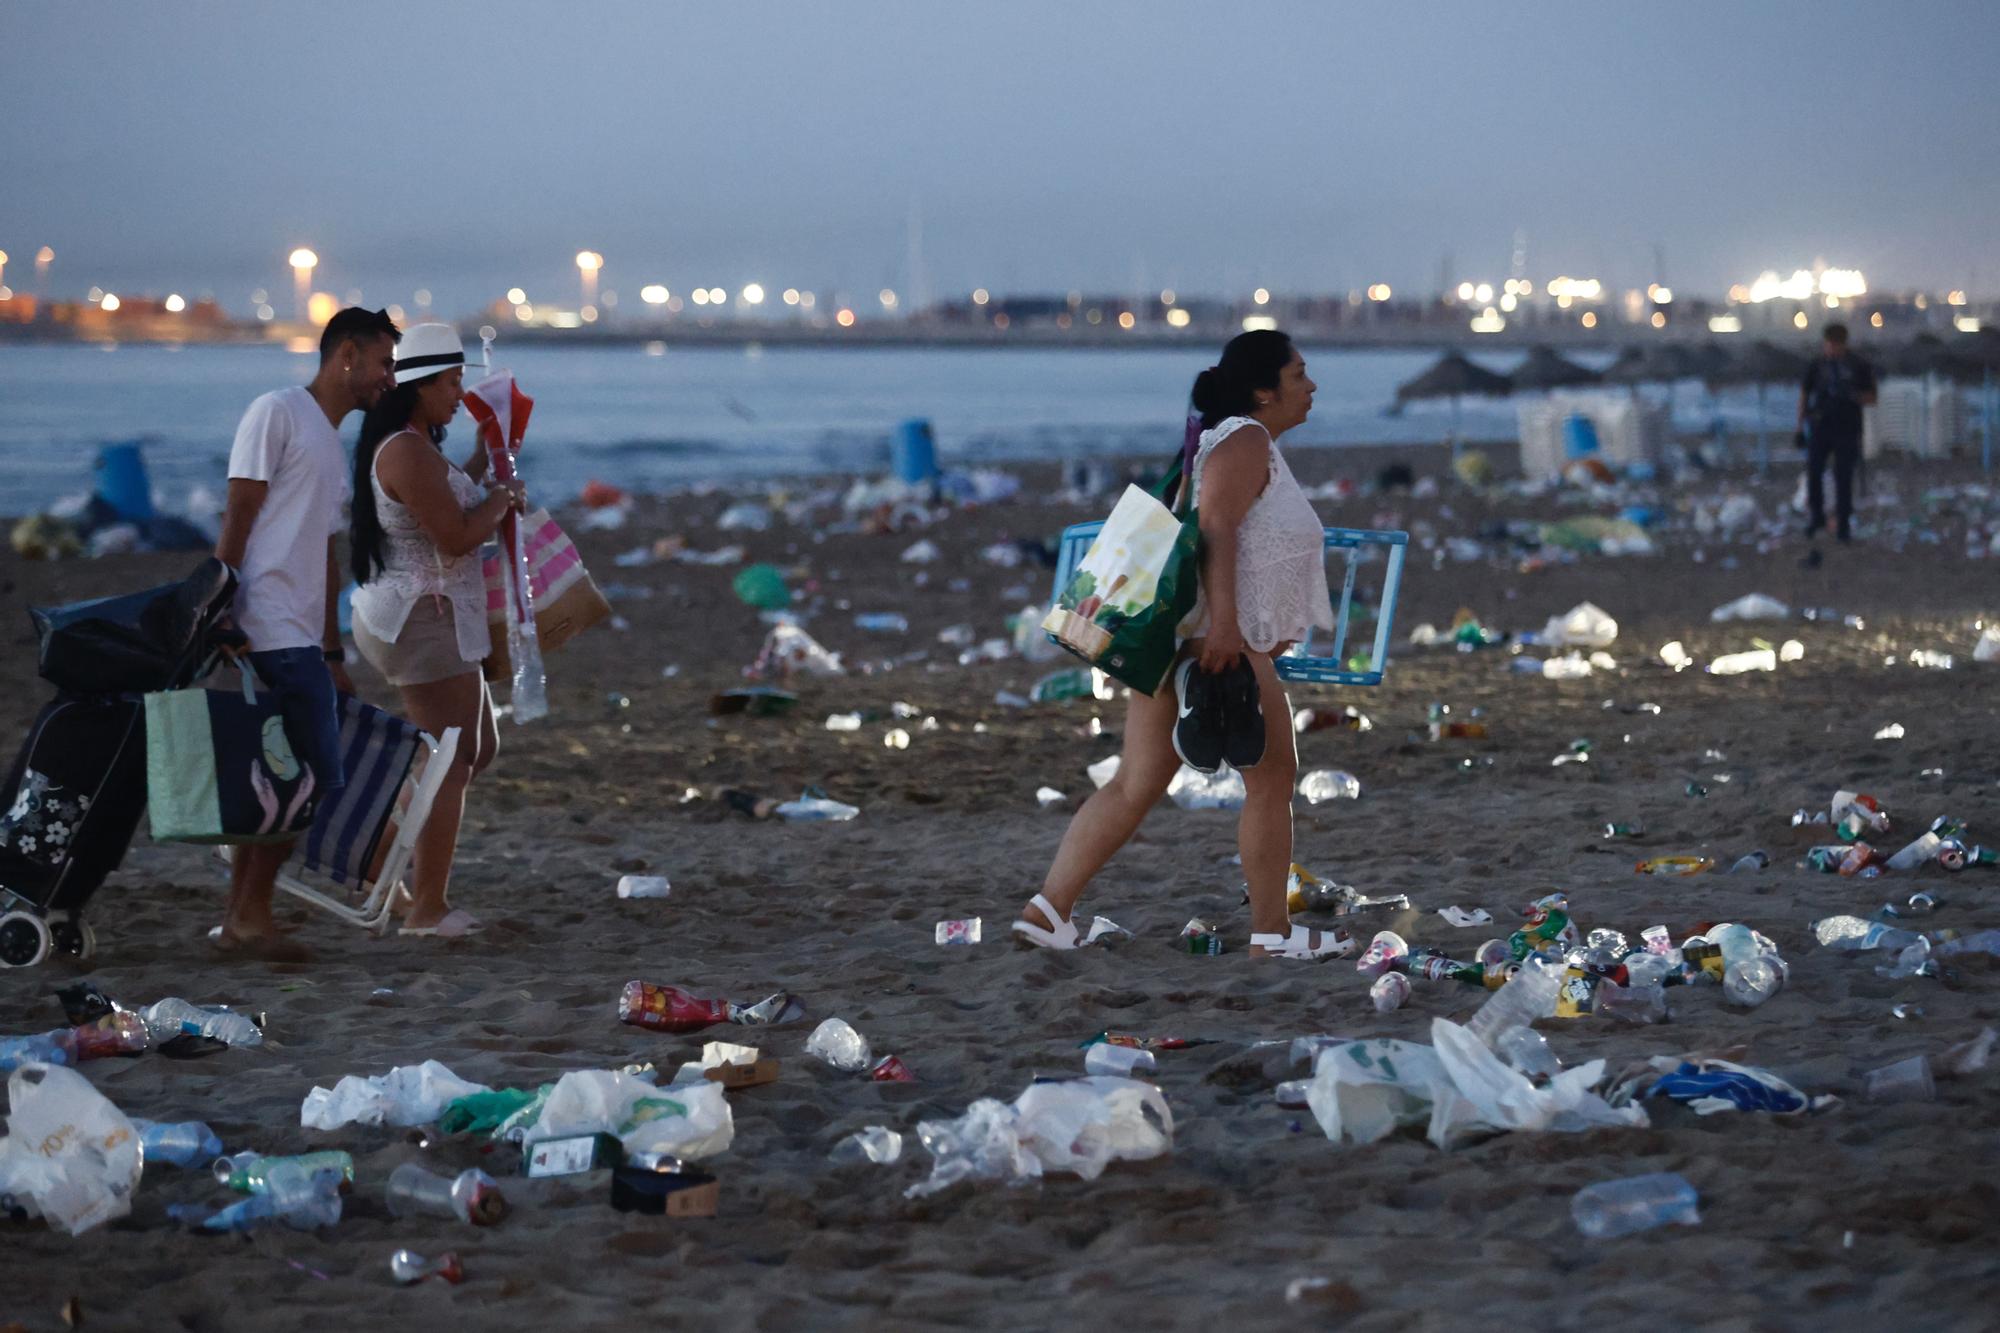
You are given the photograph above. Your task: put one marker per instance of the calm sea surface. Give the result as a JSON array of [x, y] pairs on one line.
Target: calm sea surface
[[654, 421]]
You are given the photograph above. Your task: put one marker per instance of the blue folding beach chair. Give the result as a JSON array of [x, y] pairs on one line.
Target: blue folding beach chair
[[1301, 663], [378, 751]]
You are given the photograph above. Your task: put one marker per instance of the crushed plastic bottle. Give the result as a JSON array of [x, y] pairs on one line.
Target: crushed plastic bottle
[[836, 1042], [408, 1267], [300, 1198], [1530, 996], [1748, 977], [1750, 864], [183, 1144], [882, 622], [1528, 1052], [1851, 934], [1923, 848], [1615, 1208], [876, 1144], [471, 1196], [1222, 790], [643, 886], [816, 808], [172, 1017], [1329, 784], [1103, 1057]]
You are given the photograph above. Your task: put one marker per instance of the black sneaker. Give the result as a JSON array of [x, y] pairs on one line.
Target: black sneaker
[[1198, 731], [1242, 716]]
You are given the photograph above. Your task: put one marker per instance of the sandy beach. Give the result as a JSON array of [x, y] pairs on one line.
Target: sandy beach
[[1865, 1215]]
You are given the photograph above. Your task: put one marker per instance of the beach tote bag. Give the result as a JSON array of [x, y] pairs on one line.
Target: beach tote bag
[[1123, 608], [220, 767], [566, 601]]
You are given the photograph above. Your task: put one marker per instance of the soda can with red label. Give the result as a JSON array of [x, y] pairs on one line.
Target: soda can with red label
[[891, 1069]]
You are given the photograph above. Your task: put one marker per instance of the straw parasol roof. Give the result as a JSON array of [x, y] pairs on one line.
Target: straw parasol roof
[[1544, 369], [1453, 377], [1761, 363]]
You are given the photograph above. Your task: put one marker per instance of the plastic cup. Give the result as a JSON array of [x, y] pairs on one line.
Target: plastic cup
[[1905, 1081]]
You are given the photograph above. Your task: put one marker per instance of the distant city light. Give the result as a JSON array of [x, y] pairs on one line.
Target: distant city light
[[1527, 288], [1845, 283], [807, 300], [1577, 289], [109, 302], [1379, 292], [753, 294], [523, 311], [320, 307], [1126, 320], [1179, 318], [1799, 320], [1659, 319], [1875, 320], [791, 296], [95, 294], [1488, 320], [1465, 291], [1725, 324], [423, 295], [1508, 301], [265, 313], [1262, 296], [1954, 298], [1739, 294], [259, 297], [1000, 321], [980, 296], [303, 258], [887, 298], [716, 296], [1590, 319], [653, 294], [588, 314], [395, 313], [1167, 296], [44, 257], [1966, 323], [1258, 323], [515, 296], [589, 260], [1483, 293], [845, 318], [1659, 295], [701, 296], [1833, 303]]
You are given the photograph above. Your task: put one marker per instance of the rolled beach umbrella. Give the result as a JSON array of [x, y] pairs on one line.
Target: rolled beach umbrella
[[1453, 377], [1544, 369]]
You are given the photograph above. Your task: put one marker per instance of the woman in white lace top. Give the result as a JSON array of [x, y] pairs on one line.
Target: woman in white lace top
[[1264, 588], [420, 605]]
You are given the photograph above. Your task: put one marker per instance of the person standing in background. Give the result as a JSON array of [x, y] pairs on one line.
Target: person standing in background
[[287, 493], [1837, 386]]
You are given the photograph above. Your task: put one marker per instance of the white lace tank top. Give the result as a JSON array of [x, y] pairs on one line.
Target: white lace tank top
[[1281, 588], [414, 568]]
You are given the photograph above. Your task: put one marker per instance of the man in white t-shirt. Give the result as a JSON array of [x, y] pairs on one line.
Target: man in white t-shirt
[[288, 486]]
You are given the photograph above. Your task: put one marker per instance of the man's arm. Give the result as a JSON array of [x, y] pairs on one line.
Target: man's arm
[[239, 515], [336, 666]]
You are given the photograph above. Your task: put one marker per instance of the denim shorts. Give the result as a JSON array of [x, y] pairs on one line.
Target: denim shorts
[[312, 718]]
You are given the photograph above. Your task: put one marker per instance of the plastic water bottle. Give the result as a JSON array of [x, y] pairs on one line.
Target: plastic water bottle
[[874, 1144], [816, 810], [407, 1267], [1925, 848], [293, 1195], [251, 1173], [1851, 934], [1620, 1207], [48, 1048], [172, 1017], [882, 622], [184, 1143], [1748, 978], [643, 886], [1528, 1052], [473, 1196], [1529, 996], [1102, 1057]]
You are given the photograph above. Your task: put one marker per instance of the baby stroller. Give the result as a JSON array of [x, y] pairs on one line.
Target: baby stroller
[[72, 800]]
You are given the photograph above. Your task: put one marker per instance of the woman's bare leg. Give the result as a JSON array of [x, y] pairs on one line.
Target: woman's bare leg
[[1264, 830], [459, 701], [1112, 814]]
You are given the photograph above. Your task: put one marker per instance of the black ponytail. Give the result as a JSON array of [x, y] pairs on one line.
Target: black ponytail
[[365, 539], [1250, 362]]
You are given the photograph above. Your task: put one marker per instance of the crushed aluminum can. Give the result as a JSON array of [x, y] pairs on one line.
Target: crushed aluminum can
[[891, 1069], [1198, 937], [958, 932]]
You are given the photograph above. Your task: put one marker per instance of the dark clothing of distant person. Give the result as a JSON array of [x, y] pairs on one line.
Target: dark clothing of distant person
[[1833, 392]]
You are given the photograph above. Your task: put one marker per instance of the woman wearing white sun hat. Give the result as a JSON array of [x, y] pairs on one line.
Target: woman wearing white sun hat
[[420, 607]]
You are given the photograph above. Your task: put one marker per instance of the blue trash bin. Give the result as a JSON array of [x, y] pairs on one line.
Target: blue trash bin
[[913, 453], [122, 482], [1579, 436]]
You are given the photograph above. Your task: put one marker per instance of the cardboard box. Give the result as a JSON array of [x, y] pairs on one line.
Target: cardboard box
[[765, 1070]]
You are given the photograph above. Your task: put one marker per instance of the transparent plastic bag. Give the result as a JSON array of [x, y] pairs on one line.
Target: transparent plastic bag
[[406, 1095], [68, 1150]]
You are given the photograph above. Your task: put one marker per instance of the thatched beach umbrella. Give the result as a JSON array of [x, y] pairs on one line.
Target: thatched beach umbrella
[[1762, 364], [1653, 363], [1454, 377], [1544, 370]]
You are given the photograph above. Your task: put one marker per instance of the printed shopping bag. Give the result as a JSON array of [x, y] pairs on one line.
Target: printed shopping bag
[[220, 767], [566, 601], [1123, 608]]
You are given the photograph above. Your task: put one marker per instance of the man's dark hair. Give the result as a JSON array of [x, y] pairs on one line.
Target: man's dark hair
[[357, 325], [1835, 334]]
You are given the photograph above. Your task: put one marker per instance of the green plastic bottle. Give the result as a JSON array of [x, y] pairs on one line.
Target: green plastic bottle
[[249, 1172]]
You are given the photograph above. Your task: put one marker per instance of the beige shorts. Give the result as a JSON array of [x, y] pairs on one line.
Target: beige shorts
[[425, 651]]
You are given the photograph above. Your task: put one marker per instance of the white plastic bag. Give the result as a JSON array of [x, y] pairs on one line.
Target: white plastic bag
[[406, 1095], [1583, 626], [1079, 1125], [1751, 606], [68, 1150], [1362, 1091], [689, 1121], [1221, 790]]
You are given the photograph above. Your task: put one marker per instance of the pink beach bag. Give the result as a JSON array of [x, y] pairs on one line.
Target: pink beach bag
[[566, 601]]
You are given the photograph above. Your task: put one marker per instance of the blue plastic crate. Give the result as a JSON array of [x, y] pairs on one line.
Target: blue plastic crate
[[1300, 663]]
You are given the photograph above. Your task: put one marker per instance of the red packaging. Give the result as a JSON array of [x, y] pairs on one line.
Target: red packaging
[[1859, 857], [120, 1033], [668, 1008], [891, 1069]]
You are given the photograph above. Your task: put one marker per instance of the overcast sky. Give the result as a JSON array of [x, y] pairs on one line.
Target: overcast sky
[[1112, 146]]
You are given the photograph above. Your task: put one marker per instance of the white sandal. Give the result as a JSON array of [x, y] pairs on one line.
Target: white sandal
[[1335, 943], [1063, 936]]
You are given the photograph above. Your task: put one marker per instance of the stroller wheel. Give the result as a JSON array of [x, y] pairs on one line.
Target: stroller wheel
[[73, 936], [24, 939]]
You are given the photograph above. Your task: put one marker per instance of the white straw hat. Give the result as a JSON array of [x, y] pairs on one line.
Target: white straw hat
[[426, 350]]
